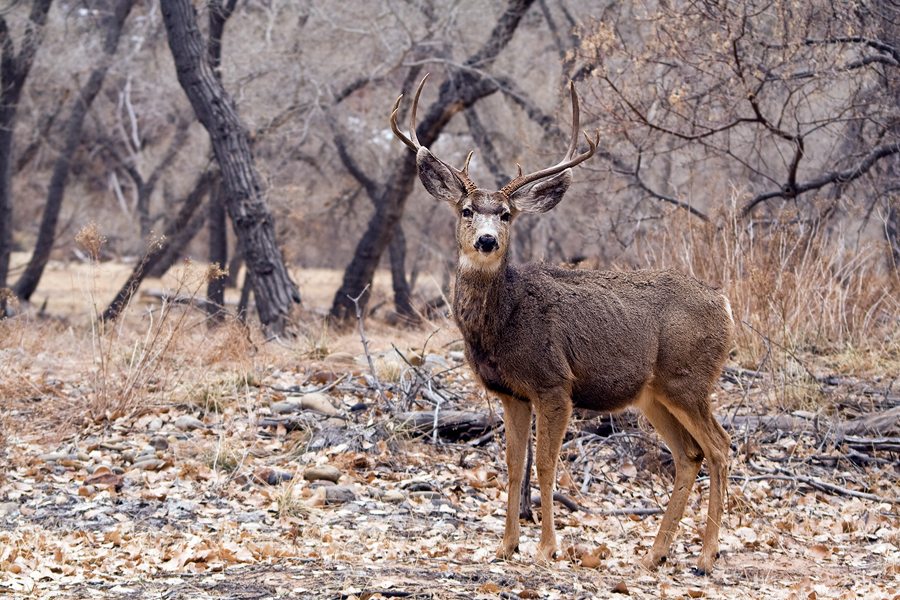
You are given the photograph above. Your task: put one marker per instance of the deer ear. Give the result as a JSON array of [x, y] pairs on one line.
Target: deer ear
[[542, 196], [438, 179]]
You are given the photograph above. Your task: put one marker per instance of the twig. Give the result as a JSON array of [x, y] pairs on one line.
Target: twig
[[824, 486], [365, 344]]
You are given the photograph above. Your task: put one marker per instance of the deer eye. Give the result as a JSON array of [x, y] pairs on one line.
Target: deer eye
[[504, 217], [466, 213]]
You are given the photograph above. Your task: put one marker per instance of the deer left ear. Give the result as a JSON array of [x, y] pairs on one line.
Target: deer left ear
[[440, 181], [542, 196]]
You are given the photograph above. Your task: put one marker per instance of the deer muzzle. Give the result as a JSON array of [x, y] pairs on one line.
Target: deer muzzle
[[486, 244]]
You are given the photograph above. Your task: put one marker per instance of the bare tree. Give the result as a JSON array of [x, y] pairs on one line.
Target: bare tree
[[459, 91], [783, 101], [14, 68], [29, 280], [252, 221]]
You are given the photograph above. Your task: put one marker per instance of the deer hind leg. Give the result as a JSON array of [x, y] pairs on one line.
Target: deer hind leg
[[716, 443], [688, 456], [552, 419], [517, 418]]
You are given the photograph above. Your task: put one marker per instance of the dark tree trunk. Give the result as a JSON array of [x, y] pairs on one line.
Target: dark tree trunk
[[252, 221], [234, 269], [892, 235], [402, 293], [218, 252], [14, 70], [29, 280], [459, 92], [177, 234]]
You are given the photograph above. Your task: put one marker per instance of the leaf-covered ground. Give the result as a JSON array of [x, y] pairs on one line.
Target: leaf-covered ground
[[174, 463]]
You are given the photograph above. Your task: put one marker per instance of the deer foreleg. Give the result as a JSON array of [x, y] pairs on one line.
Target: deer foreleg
[[517, 417], [552, 419]]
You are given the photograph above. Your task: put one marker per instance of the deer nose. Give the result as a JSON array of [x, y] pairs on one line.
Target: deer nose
[[486, 243]]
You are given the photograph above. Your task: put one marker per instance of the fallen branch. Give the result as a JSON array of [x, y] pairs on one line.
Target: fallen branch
[[365, 344]]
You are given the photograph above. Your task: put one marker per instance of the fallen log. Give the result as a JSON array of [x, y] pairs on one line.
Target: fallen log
[[453, 425]]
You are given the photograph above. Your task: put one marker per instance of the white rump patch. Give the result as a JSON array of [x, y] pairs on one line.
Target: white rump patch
[[728, 308]]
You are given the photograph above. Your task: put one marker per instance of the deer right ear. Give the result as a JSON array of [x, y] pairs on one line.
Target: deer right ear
[[438, 179]]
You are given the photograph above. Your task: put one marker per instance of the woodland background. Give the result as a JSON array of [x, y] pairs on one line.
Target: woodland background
[[753, 145]]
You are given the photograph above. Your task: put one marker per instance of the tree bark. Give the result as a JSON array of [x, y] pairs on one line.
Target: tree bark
[[14, 70], [402, 292], [29, 280], [252, 221], [457, 93], [174, 237]]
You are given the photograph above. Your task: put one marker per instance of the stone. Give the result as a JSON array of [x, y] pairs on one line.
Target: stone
[[393, 496], [188, 423], [326, 472], [158, 442], [340, 494]]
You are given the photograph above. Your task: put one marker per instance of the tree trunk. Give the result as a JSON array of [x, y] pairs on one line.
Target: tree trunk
[[218, 252], [252, 221], [402, 293], [177, 234], [29, 280], [892, 235], [457, 93], [14, 70]]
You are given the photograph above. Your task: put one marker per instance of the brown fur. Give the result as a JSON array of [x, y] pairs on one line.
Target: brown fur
[[549, 339]]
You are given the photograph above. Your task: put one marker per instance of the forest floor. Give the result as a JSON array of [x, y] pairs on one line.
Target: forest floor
[[162, 459]]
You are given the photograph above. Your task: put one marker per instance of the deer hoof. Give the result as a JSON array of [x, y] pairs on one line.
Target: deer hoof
[[546, 556], [650, 562], [505, 553]]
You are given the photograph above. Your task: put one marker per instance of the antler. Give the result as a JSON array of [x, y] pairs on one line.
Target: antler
[[570, 160], [412, 141]]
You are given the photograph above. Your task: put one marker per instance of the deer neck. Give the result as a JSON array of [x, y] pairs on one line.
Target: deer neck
[[478, 302]]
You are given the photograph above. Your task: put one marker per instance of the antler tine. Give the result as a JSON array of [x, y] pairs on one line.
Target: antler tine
[[412, 141], [570, 160]]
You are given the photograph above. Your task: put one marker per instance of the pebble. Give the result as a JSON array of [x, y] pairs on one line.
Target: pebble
[[340, 494], [326, 472], [155, 425], [394, 496], [7, 508], [158, 442], [188, 423]]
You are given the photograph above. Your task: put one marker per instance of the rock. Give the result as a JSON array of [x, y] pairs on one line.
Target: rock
[[188, 423], [316, 401], [57, 456], [457, 356], [394, 496], [326, 472], [159, 443], [282, 408], [436, 362], [83, 456], [340, 494], [269, 476], [8, 508], [155, 425], [148, 449], [150, 465]]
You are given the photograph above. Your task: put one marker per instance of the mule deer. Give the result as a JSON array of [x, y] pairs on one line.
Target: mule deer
[[549, 339]]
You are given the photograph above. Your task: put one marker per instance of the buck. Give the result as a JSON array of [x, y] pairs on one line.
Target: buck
[[548, 339]]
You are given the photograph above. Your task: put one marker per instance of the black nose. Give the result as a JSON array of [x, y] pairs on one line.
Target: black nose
[[486, 243]]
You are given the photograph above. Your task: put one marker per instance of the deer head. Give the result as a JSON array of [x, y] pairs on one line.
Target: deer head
[[483, 216]]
